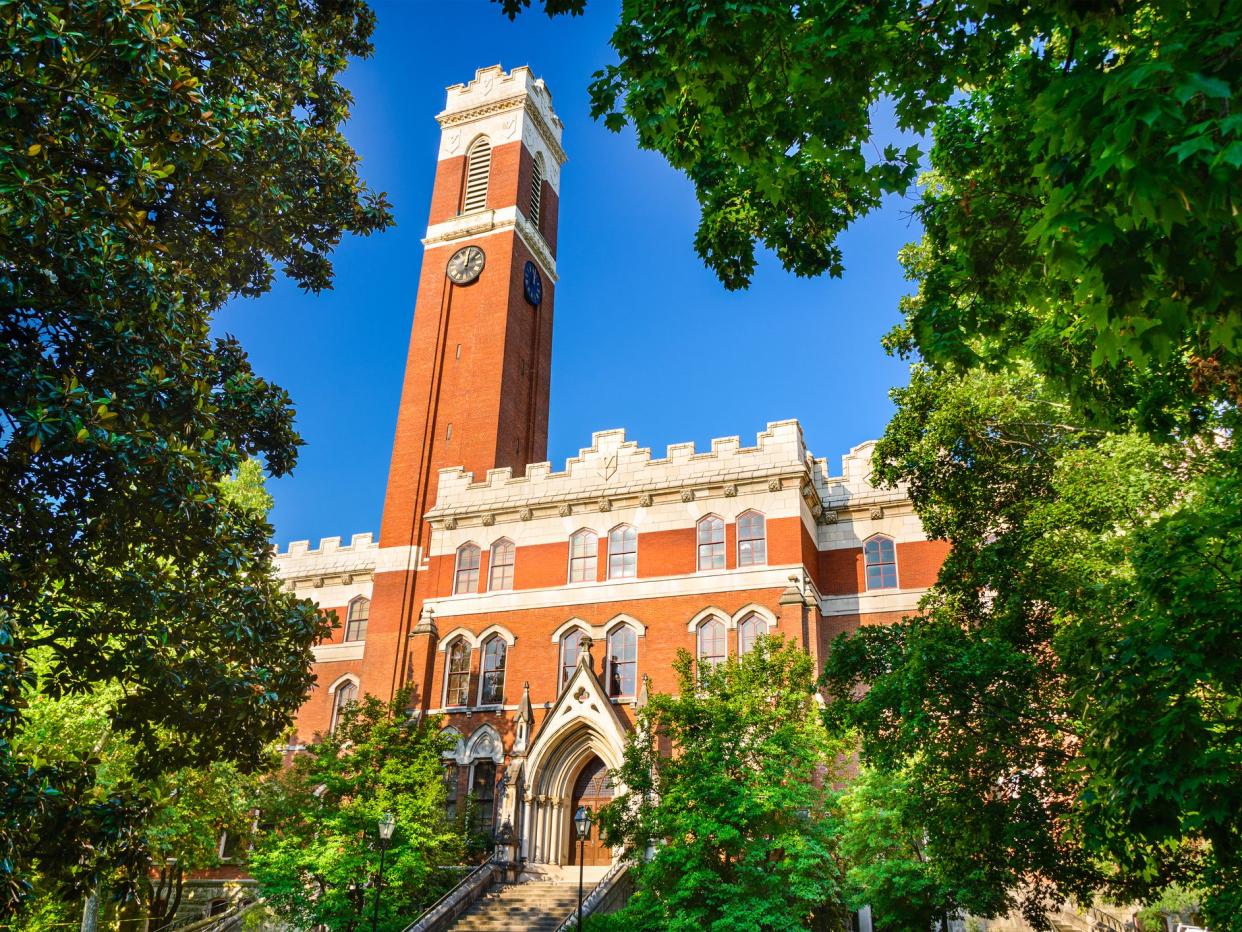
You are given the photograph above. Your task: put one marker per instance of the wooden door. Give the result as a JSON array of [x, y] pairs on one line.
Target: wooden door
[[592, 789]]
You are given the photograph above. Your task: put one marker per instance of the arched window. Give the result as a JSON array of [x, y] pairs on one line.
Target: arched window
[[492, 687], [750, 630], [356, 621], [571, 646], [622, 552], [622, 661], [450, 791], [457, 674], [500, 573], [711, 543], [583, 556], [466, 578], [752, 544], [713, 642], [346, 695], [483, 789], [536, 190], [478, 167], [880, 556]]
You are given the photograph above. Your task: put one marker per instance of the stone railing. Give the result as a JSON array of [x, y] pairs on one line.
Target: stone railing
[[613, 889], [440, 914]]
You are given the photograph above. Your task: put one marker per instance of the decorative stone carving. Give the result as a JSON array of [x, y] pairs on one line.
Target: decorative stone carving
[[774, 485], [605, 504], [565, 510], [807, 489], [608, 467], [645, 500], [526, 514], [489, 520], [730, 490], [347, 579], [687, 495], [829, 517], [318, 583], [450, 524], [877, 513], [817, 511]]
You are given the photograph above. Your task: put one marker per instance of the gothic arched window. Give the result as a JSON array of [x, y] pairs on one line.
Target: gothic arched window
[[483, 789], [478, 167], [571, 646], [492, 685], [752, 544], [457, 674], [583, 556], [500, 572], [711, 543], [713, 642], [880, 556], [622, 552], [622, 661], [466, 576], [346, 695], [356, 621], [536, 190], [750, 630]]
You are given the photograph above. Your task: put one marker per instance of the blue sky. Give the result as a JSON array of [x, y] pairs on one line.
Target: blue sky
[[645, 337]]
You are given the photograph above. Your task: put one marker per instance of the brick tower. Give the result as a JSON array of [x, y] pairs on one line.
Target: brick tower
[[477, 375]]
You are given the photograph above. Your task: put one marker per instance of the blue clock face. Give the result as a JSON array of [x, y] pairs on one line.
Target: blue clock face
[[533, 283]]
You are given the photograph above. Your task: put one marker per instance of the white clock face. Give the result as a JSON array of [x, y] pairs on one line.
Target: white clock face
[[465, 265]]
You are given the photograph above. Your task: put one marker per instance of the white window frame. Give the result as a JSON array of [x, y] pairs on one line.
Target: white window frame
[[448, 659], [896, 565]]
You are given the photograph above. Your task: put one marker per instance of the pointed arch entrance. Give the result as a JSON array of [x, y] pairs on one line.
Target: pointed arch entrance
[[592, 789], [581, 734]]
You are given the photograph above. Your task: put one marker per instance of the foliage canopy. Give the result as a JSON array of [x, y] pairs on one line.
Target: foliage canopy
[[320, 817], [723, 789], [156, 158]]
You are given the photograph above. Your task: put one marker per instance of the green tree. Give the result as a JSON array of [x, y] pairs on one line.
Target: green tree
[[723, 786], [320, 816], [1065, 707], [1084, 212], [883, 843], [156, 158]]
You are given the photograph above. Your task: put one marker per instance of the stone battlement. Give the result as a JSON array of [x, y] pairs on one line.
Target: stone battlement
[[613, 465], [358, 543]]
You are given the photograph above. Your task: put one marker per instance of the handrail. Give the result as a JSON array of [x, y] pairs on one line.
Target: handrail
[[1109, 922], [439, 906], [598, 893]]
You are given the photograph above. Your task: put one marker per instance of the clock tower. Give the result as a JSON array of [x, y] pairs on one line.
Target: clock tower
[[477, 374]]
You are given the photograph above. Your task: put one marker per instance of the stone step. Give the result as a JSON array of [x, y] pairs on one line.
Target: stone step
[[536, 906]]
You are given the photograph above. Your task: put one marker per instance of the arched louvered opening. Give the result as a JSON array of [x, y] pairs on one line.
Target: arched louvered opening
[[536, 190], [478, 167]]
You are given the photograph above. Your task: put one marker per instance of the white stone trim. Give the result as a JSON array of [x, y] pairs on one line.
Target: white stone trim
[[476, 640], [624, 620], [479, 224], [754, 608], [703, 582], [592, 632], [332, 653], [866, 603], [484, 744], [711, 611], [344, 678]]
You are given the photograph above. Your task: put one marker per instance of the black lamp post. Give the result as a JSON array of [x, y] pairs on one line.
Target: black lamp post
[[582, 824], [386, 825]]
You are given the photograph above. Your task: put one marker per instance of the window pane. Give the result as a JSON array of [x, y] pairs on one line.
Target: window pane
[[570, 645], [622, 668]]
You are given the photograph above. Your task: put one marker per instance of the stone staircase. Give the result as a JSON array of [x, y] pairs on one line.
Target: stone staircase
[[536, 905]]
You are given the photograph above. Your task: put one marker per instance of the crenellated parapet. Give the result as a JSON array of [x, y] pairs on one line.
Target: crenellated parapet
[[614, 472], [330, 563]]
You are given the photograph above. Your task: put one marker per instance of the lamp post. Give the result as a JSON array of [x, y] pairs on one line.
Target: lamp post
[[386, 825], [582, 823]]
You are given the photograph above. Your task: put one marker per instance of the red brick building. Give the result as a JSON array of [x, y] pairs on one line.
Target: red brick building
[[534, 607]]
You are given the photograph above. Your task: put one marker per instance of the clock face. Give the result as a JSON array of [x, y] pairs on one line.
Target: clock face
[[465, 265], [533, 284]]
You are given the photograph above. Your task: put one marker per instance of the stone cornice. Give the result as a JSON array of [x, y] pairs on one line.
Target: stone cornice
[[516, 102]]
